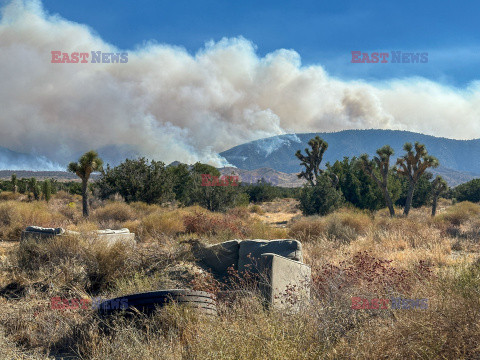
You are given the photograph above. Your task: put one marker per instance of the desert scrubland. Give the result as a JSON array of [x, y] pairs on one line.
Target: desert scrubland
[[352, 253]]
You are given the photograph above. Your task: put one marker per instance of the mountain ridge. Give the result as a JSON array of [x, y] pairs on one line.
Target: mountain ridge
[[278, 152]]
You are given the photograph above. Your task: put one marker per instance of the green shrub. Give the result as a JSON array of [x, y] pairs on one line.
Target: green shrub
[[321, 199]]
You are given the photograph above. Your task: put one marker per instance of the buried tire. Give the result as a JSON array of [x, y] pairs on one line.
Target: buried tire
[[147, 302]]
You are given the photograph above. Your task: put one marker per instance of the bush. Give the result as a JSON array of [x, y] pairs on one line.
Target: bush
[[459, 213], [261, 191], [83, 263], [166, 223], [16, 216], [321, 199], [469, 191], [114, 211], [211, 224], [137, 180], [308, 229], [256, 209], [9, 195], [359, 221], [345, 225]]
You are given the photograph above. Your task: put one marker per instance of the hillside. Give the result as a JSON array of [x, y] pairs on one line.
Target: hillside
[[458, 158], [274, 177]]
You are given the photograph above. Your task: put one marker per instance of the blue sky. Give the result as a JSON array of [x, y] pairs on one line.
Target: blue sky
[[321, 32]]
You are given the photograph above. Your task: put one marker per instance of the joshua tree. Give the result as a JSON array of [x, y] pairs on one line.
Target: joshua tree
[[47, 190], [412, 166], [88, 163], [439, 185], [34, 188], [382, 163], [14, 183], [313, 160]]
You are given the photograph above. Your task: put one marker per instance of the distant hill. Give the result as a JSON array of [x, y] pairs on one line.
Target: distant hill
[[459, 159], [42, 175], [273, 158], [273, 177]]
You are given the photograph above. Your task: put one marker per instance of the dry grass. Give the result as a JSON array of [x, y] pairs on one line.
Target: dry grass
[[9, 195], [344, 226], [351, 253], [460, 213], [118, 212]]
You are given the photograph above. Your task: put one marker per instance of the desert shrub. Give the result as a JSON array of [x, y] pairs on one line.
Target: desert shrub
[[469, 191], [82, 263], [67, 197], [338, 231], [459, 213], [356, 185], [308, 228], [10, 350], [71, 211], [137, 180], [260, 230], [16, 216], [32, 255], [9, 195], [174, 333], [161, 222], [135, 226], [321, 199], [262, 191], [256, 209], [33, 324], [143, 209], [357, 220], [218, 198], [114, 211], [212, 224], [345, 225], [365, 271], [240, 212]]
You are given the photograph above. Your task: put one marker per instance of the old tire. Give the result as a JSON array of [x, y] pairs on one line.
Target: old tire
[[147, 302]]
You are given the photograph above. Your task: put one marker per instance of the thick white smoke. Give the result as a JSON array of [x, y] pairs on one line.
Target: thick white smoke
[[175, 106]]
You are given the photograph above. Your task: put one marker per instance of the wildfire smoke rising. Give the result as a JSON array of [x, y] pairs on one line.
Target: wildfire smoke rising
[[172, 105]]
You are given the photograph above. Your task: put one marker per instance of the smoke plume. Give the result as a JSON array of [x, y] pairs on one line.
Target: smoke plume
[[172, 105]]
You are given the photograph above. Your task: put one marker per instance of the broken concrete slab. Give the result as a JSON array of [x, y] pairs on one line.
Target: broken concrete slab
[[39, 233], [285, 283], [108, 235], [115, 235]]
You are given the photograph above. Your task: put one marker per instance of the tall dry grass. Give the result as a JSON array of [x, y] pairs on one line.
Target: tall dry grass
[[352, 254]]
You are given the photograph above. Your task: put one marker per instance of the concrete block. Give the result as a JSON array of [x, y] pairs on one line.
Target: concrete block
[[109, 236], [112, 236], [251, 251], [39, 233], [285, 283]]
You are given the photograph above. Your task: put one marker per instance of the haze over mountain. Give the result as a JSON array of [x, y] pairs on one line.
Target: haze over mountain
[[12, 160], [273, 158], [459, 159]]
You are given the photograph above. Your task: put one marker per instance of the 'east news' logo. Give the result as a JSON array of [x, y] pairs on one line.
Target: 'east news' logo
[[97, 57], [397, 57]]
